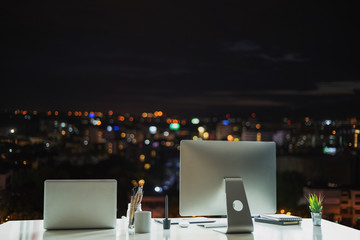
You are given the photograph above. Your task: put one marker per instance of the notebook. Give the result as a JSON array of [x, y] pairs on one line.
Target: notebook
[[79, 204], [267, 220], [189, 220], [281, 217]]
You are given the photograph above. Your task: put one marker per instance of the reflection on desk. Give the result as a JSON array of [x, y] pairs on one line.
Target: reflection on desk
[[103, 234], [317, 233], [34, 230]]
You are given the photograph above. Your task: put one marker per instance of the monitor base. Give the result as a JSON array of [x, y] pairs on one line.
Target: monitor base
[[237, 207]]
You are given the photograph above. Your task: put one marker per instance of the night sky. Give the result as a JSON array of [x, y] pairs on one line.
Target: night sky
[[196, 57]]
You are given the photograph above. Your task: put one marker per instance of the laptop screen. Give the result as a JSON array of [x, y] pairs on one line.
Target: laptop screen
[[77, 204]]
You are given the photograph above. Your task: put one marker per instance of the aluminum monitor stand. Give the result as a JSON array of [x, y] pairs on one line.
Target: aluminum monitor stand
[[238, 212]]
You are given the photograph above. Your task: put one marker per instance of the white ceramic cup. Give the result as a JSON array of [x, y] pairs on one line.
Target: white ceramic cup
[[142, 221]]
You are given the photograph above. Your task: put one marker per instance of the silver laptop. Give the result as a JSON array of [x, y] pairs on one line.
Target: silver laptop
[[78, 204]]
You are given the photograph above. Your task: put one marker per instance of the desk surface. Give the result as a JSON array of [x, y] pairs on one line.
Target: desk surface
[[33, 230]]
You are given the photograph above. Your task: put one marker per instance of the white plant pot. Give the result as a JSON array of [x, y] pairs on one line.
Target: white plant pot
[[316, 218]]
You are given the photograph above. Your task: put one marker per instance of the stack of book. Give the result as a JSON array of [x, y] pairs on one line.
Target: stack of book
[[280, 219]]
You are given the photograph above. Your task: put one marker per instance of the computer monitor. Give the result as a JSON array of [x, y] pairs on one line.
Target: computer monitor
[[205, 166]]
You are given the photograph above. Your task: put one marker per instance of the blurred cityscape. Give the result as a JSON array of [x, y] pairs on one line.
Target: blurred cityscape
[[313, 155]]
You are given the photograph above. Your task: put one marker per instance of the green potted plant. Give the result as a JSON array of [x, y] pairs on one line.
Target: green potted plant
[[315, 206]]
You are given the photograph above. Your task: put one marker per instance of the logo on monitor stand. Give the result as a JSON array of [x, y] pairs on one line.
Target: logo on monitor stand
[[238, 205]]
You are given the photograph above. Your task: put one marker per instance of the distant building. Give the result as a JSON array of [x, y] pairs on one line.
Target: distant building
[[5, 179], [252, 135], [350, 206]]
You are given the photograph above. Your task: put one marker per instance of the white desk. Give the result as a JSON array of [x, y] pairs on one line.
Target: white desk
[[33, 230]]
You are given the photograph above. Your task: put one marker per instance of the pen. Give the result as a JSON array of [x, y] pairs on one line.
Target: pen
[[166, 207], [167, 221]]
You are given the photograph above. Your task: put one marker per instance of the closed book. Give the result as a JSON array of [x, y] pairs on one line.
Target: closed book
[[281, 217], [266, 220]]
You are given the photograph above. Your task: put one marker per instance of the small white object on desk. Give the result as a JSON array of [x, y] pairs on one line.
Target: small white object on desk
[[184, 224], [142, 221]]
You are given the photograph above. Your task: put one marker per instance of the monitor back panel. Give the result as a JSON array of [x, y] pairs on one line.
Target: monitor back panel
[[80, 204], [205, 164]]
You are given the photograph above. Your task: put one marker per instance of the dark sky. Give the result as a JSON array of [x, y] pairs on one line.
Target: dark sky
[[196, 57]]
